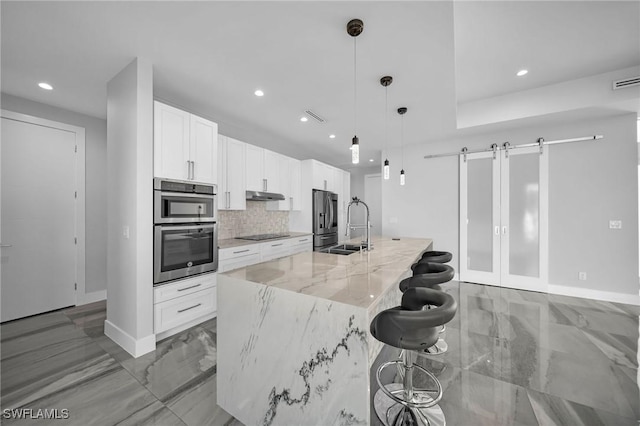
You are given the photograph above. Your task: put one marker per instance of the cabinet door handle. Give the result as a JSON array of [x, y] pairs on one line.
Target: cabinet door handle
[[188, 170], [240, 251], [290, 203], [276, 245], [190, 287], [193, 170], [325, 185], [264, 184], [504, 230], [496, 230], [190, 307], [303, 240]]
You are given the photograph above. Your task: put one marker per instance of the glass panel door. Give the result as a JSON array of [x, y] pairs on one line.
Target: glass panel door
[[479, 216], [524, 218]]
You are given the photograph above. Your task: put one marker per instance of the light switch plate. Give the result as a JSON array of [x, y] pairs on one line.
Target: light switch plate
[[615, 224]]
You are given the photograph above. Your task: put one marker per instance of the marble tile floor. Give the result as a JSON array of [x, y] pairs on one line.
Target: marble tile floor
[[515, 358], [526, 358]]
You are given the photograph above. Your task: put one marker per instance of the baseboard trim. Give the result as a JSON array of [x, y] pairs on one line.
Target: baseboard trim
[[609, 296], [94, 296], [135, 347]]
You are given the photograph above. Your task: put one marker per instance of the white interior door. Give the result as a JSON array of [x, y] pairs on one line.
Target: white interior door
[[38, 219], [524, 218], [480, 218], [504, 218]]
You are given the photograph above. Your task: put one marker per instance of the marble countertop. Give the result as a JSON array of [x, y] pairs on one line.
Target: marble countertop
[[233, 242], [359, 279]]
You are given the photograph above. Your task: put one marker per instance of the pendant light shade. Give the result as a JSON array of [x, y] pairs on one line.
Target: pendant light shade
[[402, 111], [385, 170], [355, 150], [354, 29]]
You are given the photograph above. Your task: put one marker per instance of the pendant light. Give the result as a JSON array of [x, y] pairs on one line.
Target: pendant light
[[386, 81], [354, 29], [402, 111]]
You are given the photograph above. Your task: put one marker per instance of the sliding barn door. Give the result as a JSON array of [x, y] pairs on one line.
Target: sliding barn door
[[504, 218]]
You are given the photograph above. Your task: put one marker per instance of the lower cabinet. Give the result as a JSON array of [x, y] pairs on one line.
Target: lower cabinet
[[251, 254], [183, 304]]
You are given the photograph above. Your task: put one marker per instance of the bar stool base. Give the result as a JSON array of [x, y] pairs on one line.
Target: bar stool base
[[392, 413]]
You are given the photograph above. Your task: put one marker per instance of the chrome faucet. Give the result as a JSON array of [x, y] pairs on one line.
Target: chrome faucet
[[356, 201]]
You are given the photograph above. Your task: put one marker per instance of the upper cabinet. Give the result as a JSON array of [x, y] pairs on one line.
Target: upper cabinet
[[185, 146], [231, 178], [254, 172], [326, 177]]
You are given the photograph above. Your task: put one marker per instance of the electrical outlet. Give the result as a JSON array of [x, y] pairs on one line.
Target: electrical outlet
[[615, 224], [582, 276]]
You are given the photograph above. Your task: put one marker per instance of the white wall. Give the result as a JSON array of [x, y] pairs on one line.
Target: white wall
[[357, 190], [590, 184], [130, 191], [96, 181]]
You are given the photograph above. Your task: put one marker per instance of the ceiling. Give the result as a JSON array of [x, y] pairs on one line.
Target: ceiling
[[209, 57]]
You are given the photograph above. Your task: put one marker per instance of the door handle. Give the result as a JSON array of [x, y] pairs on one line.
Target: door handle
[[6, 245], [188, 170], [228, 199], [264, 184], [193, 170], [290, 203], [496, 230], [504, 230]]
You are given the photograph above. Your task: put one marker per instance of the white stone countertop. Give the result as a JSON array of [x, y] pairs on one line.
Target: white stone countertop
[[234, 242], [359, 279]]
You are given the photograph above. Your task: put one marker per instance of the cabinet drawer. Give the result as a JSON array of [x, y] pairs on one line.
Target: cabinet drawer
[[246, 250], [175, 312], [238, 262], [301, 247], [183, 287], [275, 249]]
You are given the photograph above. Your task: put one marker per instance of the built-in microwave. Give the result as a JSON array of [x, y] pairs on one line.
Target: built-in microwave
[[183, 202]]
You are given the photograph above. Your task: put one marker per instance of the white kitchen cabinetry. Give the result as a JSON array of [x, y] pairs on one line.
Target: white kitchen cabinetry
[[231, 180], [323, 177], [185, 146], [274, 249], [255, 180], [251, 254], [301, 244], [183, 304], [238, 257], [295, 178]]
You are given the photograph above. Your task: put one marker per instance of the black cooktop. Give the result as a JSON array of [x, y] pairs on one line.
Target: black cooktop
[[261, 237]]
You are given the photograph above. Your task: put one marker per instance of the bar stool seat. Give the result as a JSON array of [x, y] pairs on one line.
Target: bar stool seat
[[427, 274], [412, 328], [437, 256]]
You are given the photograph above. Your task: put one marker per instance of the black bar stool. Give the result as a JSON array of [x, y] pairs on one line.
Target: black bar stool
[[429, 275], [412, 329], [436, 256]]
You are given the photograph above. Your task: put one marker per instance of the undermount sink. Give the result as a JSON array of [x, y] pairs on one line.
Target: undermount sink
[[344, 249]]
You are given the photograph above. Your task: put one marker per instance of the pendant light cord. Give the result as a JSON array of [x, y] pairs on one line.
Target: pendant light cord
[[386, 120], [355, 89], [402, 141]]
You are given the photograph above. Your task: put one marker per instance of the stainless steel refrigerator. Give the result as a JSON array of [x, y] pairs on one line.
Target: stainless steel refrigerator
[[325, 219]]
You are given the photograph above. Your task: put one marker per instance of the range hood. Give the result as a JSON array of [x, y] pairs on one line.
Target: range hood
[[264, 196]]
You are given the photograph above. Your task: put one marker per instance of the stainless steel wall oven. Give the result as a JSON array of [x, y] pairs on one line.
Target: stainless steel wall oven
[[185, 230]]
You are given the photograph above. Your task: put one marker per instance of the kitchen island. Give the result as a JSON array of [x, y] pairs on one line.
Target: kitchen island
[[293, 335]]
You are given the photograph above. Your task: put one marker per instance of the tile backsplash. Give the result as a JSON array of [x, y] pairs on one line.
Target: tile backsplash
[[256, 219]]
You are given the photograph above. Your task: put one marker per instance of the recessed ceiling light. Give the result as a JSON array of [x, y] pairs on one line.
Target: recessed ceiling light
[[371, 160], [521, 73], [332, 136], [258, 93], [303, 119], [45, 86]]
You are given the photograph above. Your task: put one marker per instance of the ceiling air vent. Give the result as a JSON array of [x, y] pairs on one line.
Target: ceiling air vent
[[627, 82], [315, 116]]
